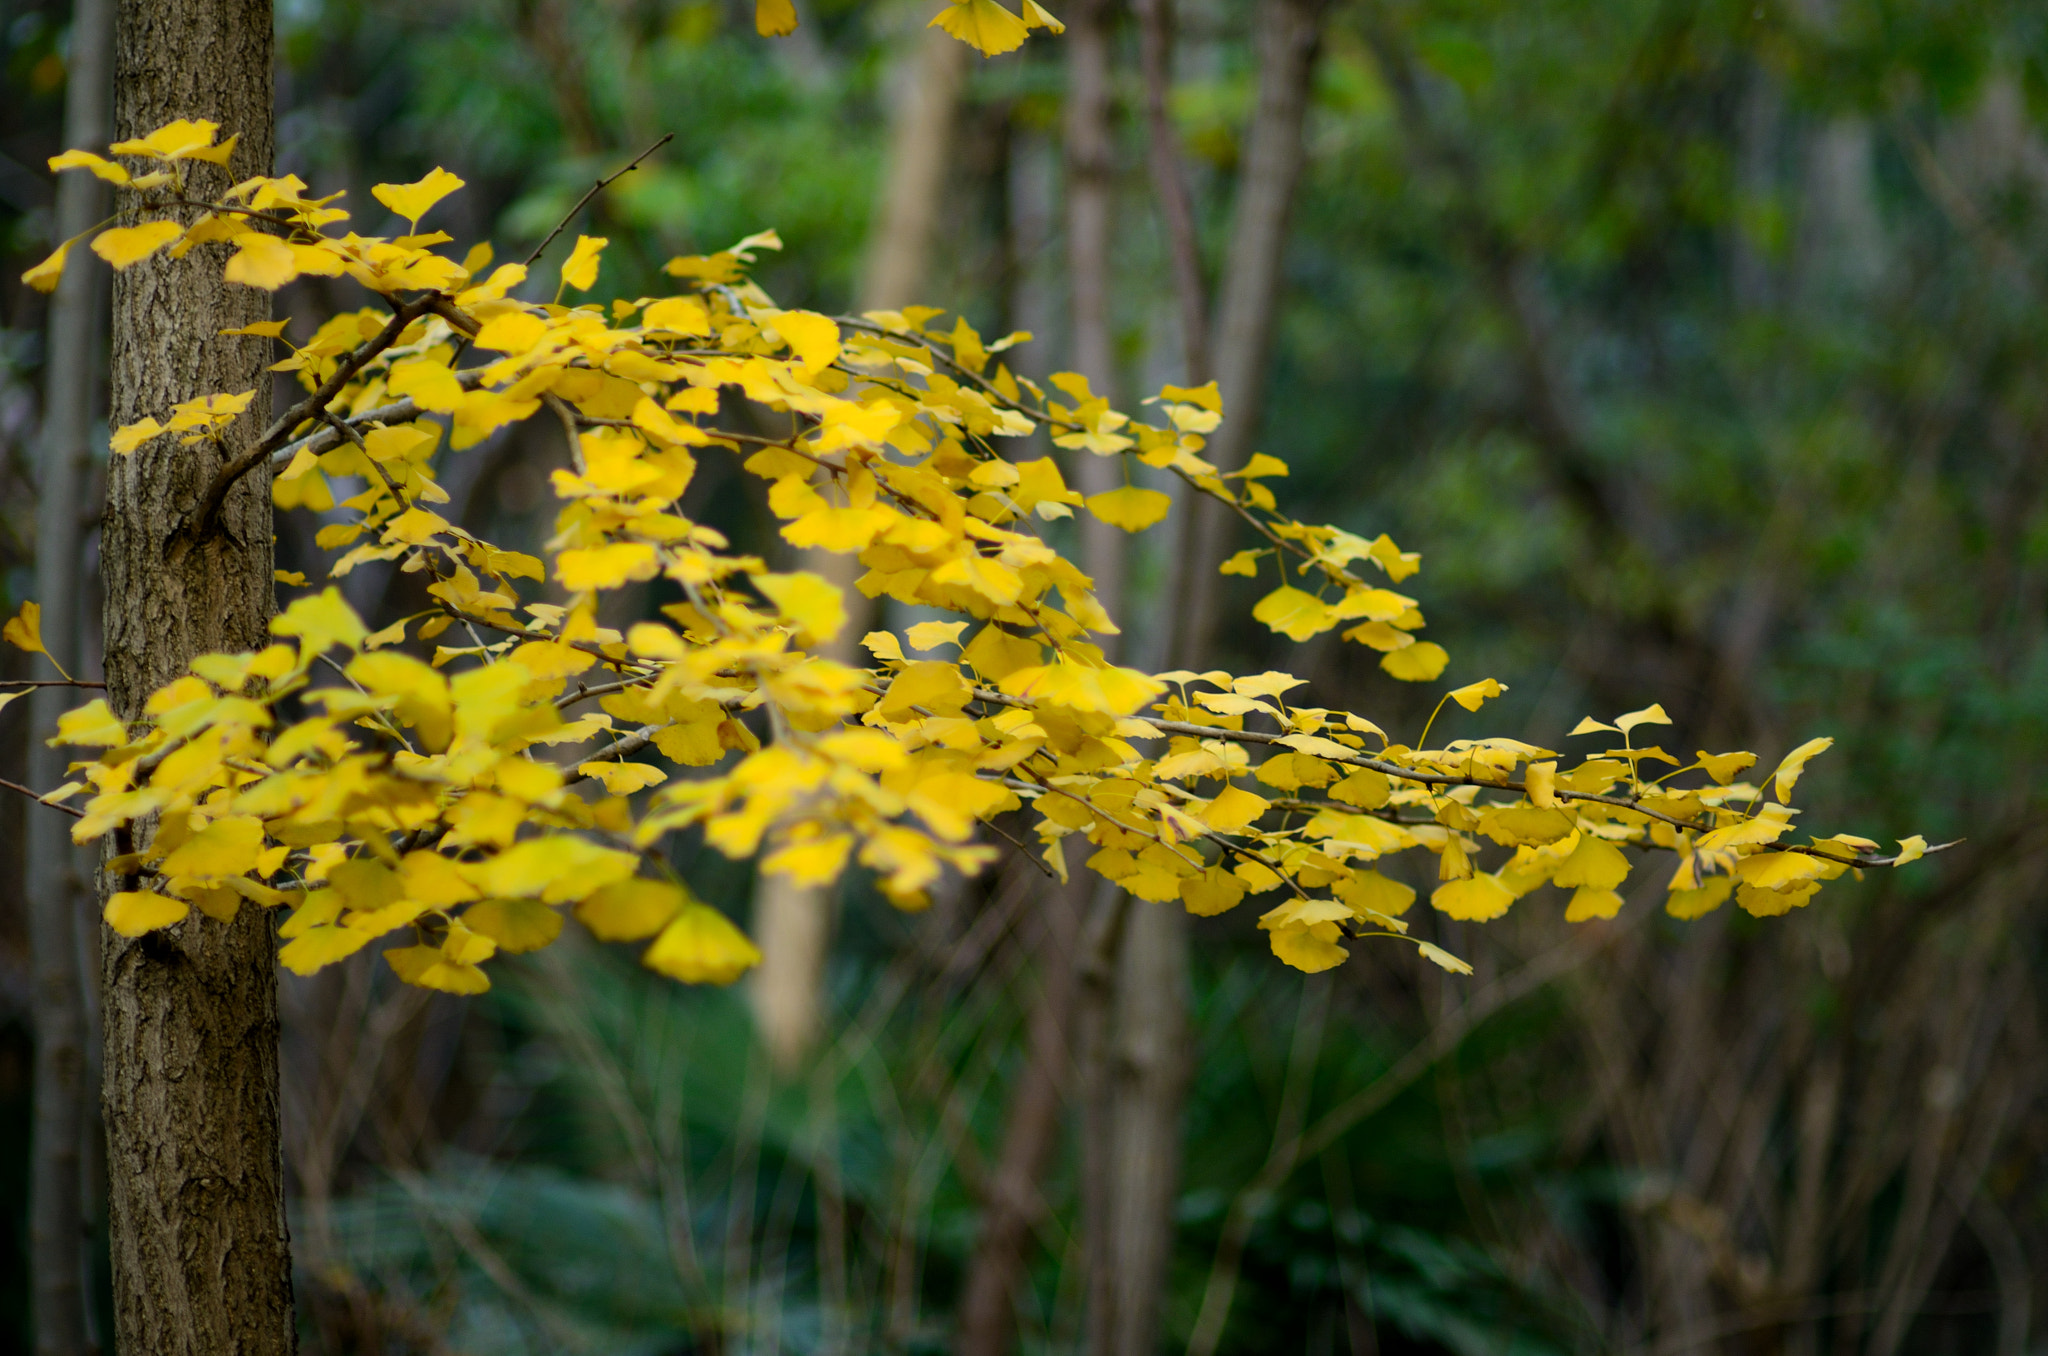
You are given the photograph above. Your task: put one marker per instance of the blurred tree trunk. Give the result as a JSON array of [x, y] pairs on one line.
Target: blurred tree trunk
[[57, 1211], [793, 923], [201, 1260]]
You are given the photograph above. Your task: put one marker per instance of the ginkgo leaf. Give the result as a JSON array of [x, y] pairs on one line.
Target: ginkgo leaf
[[813, 339], [1036, 17], [1473, 900], [774, 18], [93, 723], [629, 910], [24, 630], [1593, 862], [262, 261], [983, 25], [1417, 663], [321, 621], [1436, 955], [1701, 900], [1131, 507], [45, 276], [1788, 773], [1910, 850], [126, 245], [1473, 695], [932, 634], [1211, 891], [605, 567], [134, 912], [812, 603], [131, 436], [104, 168], [700, 946], [183, 139], [512, 332], [321, 946], [1723, 767], [579, 270], [1649, 715], [1232, 809], [226, 847], [623, 779], [1590, 901], [1293, 613], [1371, 892], [427, 968], [1308, 949], [815, 861], [516, 925], [413, 201]]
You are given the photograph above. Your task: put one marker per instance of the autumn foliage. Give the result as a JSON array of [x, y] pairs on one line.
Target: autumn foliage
[[464, 778]]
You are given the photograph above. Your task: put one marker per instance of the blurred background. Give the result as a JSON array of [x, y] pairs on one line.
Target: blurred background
[[1698, 345]]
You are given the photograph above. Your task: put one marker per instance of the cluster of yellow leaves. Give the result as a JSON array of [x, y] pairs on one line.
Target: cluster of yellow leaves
[[468, 795]]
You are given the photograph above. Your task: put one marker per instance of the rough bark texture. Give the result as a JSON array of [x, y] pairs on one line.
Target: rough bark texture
[[56, 1212], [200, 1255], [793, 923], [1290, 35]]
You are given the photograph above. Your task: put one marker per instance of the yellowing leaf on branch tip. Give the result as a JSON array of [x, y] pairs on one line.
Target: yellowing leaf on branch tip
[[126, 245], [413, 201], [983, 25], [700, 946], [45, 276], [1131, 508], [1417, 663], [579, 270]]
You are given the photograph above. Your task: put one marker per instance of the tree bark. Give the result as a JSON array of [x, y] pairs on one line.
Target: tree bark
[[1290, 37], [57, 1209], [793, 923], [200, 1255]]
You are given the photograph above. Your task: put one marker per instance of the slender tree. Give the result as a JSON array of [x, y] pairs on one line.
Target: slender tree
[[201, 1263], [57, 1216]]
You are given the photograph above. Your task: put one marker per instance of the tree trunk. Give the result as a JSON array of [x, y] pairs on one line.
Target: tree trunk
[[56, 1212], [200, 1254], [793, 923], [1290, 36], [1091, 167]]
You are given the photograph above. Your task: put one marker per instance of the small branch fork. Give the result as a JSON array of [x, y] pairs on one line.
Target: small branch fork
[[594, 190]]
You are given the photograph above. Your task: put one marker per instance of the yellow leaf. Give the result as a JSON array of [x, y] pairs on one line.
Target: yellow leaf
[[423, 700], [1589, 725], [1306, 949], [813, 604], [516, 925], [1211, 892], [580, 269], [932, 634], [1130, 508], [1910, 850], [1592, 902], [24, 630], [605, 567], [179, 140], [774, 18], [1473, 900], [628, 910], [700, 946], [623, 779], [45, 276], [1722, 767], [1542, 785], [1232, 809], [226, 847], [1761, 903], [431, 385], [1293, 613], [1473, 695], [1649, 715], [1788, 773], [817, 861], [321, 621], [983, 25], [1775, 870], [1245, 563], [1262, 466], [131, 436], [1593, 862], [1417, 663], [428, 968], [813, 339], [93, 723], [557, 869], [320, 946], [134, 912], [512, 332], [262, 261], [125, 245], [105, 169], [1701, 900], [412, 201], [1365, 788], [1438, 956], [1370, 891], [936, 687]]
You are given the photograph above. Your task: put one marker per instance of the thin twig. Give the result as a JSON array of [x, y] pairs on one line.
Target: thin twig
[[48, 682], [35, 796], [595, 189]]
